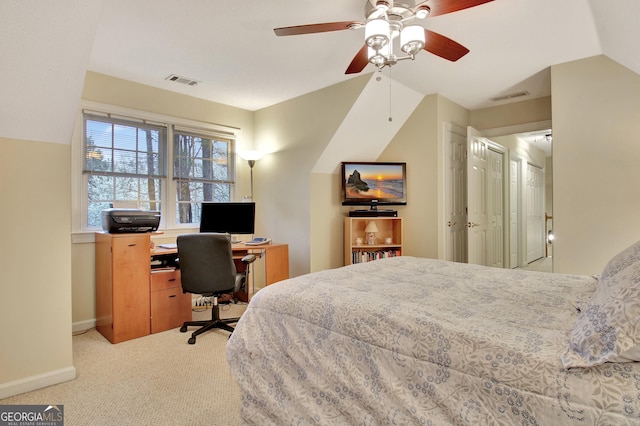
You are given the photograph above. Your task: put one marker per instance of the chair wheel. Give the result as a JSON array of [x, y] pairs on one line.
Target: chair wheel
[[183, 329], [192, 340]]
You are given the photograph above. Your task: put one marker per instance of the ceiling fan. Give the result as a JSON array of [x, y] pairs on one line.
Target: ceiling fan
[[387, 21]]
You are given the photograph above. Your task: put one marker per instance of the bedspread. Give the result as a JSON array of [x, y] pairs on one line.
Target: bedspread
[[413, 341]]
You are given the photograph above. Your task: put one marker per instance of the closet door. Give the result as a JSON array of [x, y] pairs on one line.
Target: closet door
[[535, 213]]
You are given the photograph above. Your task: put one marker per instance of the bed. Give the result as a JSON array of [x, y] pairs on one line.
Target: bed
[[413, 341]]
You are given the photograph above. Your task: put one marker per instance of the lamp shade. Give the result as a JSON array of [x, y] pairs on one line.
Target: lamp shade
[[412, 39], [376, 33], [371, 227], [251, 154]]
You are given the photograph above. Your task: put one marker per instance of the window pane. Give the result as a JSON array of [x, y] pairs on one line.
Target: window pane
[[125, 137], [203, 172], [202, 158], [100, 134], [127, 188], [125, 165], [97, 146], [189, 212], [100, 188], [125, 162], [94, 219]]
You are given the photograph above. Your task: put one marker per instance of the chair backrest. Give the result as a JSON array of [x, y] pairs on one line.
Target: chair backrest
[[206, 263]]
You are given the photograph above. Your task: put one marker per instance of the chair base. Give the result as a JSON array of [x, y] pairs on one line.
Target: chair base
[[214, 322]]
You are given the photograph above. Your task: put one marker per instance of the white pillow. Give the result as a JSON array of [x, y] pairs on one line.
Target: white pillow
[[608, 328]]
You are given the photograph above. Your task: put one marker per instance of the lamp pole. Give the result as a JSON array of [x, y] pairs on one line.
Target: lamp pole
[[251, 164]]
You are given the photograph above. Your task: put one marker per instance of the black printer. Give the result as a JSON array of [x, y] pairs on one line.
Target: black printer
[[116, 221]]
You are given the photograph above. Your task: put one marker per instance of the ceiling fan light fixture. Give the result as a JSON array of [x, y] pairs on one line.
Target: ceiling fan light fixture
[[384, 23], [423, 11], [376, 57], [376, 33], [412, 39], [382, 5]]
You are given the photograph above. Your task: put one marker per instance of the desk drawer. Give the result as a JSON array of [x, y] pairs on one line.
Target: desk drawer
[[163, 280], [169, 309]]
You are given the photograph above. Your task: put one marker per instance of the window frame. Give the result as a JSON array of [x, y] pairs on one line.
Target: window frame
[[79, 179], [211, 135]]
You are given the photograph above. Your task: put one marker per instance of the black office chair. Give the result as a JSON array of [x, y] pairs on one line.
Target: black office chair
[[207, 268]]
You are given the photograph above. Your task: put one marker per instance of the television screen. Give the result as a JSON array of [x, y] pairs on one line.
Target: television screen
[[374, 183], [232, 218]]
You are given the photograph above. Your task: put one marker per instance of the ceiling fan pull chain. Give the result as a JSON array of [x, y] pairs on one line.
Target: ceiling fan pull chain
[[390, 118]]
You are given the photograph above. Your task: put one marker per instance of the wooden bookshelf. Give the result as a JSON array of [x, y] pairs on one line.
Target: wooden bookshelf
[[388, 227]]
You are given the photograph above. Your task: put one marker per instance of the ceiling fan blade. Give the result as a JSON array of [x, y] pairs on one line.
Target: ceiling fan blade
[[443, 46], [441, 7], [359, 61], [317, 28]]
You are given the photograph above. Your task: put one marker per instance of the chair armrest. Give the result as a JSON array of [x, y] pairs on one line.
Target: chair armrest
[[248, 259]]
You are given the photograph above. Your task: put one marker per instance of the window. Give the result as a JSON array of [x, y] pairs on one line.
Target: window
[[126, 165], [202, 172]]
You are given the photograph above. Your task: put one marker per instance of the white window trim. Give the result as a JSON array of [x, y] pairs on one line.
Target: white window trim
[[78, 197]]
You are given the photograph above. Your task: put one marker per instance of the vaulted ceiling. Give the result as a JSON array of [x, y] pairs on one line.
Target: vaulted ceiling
[[229, 46], [230, 49]]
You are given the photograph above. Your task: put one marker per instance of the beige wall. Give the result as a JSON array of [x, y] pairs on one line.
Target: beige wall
[[596, 149], [292, 204], [35, 289], [513, 114], [114, 91], [416, 144]]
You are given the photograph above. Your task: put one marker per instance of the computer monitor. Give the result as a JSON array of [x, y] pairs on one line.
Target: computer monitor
[[232, 218]]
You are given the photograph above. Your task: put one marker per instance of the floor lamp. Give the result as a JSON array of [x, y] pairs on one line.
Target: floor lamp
[[251, 156]]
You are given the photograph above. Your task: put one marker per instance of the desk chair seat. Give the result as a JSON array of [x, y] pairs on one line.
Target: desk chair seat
[[207, 268]]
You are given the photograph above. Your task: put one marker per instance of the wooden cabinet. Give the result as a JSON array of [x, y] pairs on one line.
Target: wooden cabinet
[[170, 307], [132, 301], [388, 239], [122, 286]]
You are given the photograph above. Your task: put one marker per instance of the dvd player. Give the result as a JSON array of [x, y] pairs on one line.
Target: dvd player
[[373, 213]]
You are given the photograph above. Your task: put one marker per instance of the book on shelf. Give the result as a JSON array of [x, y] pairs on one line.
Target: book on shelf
[[361, 256]]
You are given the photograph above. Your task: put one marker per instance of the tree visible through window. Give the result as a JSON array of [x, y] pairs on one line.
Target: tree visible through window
[[202, 171], [125, 165]]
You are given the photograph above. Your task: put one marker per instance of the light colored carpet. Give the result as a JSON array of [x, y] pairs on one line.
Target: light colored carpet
[[154, 380]]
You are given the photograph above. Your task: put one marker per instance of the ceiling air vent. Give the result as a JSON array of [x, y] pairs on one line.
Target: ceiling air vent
[[510, 96], [182, 80]]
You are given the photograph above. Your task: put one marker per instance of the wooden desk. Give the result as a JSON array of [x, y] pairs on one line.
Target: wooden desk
[[132, 301], [275, 255]]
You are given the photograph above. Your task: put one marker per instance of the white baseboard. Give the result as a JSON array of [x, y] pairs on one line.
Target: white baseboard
[[39, 381], [83, 325]]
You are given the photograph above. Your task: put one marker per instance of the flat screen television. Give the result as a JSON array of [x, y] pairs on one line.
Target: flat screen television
[[373, 184], [232, 218]]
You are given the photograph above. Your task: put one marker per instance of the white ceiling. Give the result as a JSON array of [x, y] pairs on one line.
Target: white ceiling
[[541, 139], [229, 46]]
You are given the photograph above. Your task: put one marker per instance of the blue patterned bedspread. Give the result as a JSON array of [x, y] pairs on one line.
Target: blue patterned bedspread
[[413, 341]]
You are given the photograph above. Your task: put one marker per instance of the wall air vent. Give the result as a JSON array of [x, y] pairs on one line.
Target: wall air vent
[[182, 80], [510, 96]]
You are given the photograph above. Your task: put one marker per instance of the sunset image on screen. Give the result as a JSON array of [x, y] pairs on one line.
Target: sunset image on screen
[[374, 181]]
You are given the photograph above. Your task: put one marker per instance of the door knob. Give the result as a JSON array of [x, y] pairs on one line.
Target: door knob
[[450, 224], [472, 225]]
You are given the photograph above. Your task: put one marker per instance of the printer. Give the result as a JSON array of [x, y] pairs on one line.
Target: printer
[[116, 221]]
